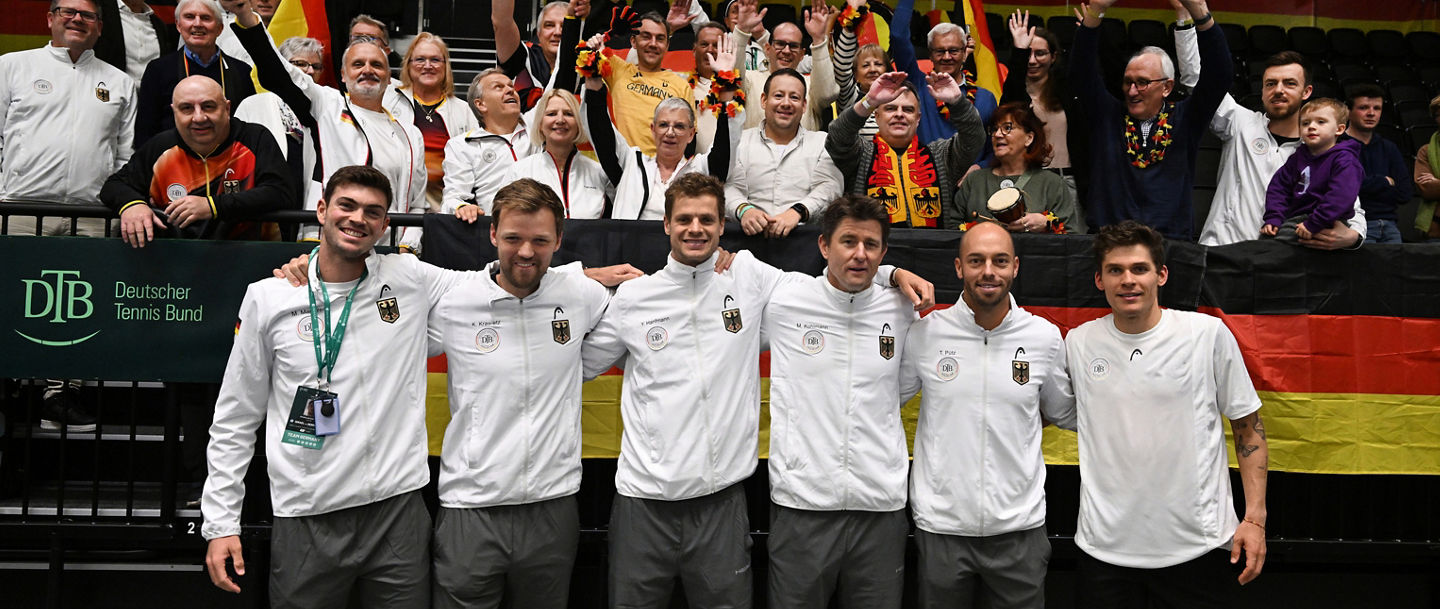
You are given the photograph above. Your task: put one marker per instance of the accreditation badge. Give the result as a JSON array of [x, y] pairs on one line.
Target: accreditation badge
[[300, 426]]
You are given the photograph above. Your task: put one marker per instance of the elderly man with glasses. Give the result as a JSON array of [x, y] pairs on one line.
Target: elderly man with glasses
[[1143, 143]]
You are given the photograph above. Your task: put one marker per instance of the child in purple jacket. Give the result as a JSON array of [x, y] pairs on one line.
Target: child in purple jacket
[[1318, 184]]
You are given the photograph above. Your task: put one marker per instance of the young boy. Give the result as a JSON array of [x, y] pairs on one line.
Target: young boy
[[1318, 184]]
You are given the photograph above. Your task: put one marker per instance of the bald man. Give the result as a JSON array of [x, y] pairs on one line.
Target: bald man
[[208, 177], [991, 376]]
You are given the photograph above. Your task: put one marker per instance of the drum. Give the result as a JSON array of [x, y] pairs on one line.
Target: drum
[[1007, 205]]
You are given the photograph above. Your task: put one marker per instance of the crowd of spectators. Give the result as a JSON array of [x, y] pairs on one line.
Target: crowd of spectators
[[789, 117]]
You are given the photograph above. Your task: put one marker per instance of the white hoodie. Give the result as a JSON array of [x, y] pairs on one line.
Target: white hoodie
[[979, 469]]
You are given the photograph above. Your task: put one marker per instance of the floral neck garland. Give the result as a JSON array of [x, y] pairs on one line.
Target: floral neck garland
[[850, 18], [723, 81], [1160, 139]]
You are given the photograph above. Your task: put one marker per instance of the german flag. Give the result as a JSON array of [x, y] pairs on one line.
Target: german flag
[[1343, 347], [305, 18]]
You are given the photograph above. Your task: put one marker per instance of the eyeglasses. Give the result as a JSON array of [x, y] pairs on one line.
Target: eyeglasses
[[676, 127], [70, 13], [1004, 129], [1140, 84], [938, 52], [786, 44], [307, 66], [427, 61]]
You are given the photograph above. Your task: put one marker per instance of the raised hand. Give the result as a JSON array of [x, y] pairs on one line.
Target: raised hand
[[749, 17], [885, 89], [579, 9], [724, 56], [679, 16], [1020, 32], [943, 87], [596, 42], [817, 20]]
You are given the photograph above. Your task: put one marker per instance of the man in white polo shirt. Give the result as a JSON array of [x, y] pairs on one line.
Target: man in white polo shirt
[[1157, 520], [992, 374]]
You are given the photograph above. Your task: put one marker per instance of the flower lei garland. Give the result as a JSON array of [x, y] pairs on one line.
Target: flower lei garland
[[851, 18], [588, 62], [1160, 139], [723, 81]]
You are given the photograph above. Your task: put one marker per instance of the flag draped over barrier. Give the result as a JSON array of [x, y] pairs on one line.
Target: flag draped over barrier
[[1344, 347]]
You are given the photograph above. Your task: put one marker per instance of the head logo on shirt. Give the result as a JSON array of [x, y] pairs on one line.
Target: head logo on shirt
[[947, 369], [733, 323], [1098, 369], [1019, 369], [389, 309], [560, 328], [487, 340], [101, 93], [887, 342]]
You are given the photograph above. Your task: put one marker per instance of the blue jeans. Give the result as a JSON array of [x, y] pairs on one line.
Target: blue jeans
[[1381, 231]]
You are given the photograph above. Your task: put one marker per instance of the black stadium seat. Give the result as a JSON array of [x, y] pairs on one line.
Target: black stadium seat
[[775, 14], [1354, 71], [1112, 33], [1419, 135], [1387, 44], [1414, 115], [1430, 75], [1148, 32], [1267, 40], [1207, 167], [1063, 26], [1402, 93], [1236, 37], [1424, 46], [1309, 41], [1396, 74], [1348, 42], [1200, 201]]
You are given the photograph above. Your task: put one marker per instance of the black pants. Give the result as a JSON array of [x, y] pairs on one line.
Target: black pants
[[1207, 581]]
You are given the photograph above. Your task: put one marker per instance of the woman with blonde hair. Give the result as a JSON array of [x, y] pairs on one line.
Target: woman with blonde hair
[[426, 98], [579, 181]]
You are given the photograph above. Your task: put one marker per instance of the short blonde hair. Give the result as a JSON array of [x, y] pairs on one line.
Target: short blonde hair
[[1342, 114], [536, 134], [1435, 106], [447, 81]]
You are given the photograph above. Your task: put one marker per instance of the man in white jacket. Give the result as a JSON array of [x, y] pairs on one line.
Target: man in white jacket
[[691, 407], [353, 127], [67, 121], [1256, 144], [508, 524], [992, 375], [782, 175], [477, 160], [344, 429], [837, 445]]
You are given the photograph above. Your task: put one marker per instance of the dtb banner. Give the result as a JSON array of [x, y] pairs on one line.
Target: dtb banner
[[77, 307]]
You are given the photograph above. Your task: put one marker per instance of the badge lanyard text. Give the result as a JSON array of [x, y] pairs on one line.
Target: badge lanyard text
[[329, 352]]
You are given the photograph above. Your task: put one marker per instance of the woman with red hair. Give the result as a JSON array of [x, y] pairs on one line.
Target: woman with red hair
[[1018, 139]]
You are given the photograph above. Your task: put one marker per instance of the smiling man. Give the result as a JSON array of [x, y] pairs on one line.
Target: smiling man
[[206, 178], [949, 45], [786, 50], [1144, 144], [991, 375], [690, 434], [200, 23], [336, 373], [353, 127], [477, 160], [781, 175], [1157, 520]]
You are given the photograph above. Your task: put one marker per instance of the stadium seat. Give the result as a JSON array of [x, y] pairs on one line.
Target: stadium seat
[[1348, 42], [1430, 75], [1387, 44], [1112, 33], [645, 6], [1424, 46], [1267, 40], [775, 14], [1354, 71], [1400, 93], [683, 39], [1251, 101], [1207, 167], [1418, 136], [1148, 32], [1326, 88], [999, 29], [1064, 27], [1200, 199], [1397, 135], [1254, 69], [1309, 41], [1236, 37], [1396, 74], [1210, 141]]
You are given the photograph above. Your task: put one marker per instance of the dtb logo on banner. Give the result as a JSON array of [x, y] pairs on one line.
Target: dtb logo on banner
[[59, 297]]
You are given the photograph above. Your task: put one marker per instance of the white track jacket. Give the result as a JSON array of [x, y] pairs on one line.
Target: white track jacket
[[379, 377], [514, 373], [836, 439], [979, 470]]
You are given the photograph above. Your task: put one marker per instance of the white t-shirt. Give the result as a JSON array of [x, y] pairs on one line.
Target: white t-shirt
[[1154, 478]]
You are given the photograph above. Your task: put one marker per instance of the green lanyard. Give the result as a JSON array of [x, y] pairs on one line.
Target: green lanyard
[[325, 357]]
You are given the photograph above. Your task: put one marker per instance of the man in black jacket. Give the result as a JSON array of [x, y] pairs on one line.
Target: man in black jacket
[[133, 37], [199, 23]]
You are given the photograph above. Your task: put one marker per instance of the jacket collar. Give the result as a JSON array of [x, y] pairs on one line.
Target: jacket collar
[[1012, 317], [63, 54], [495, 293], [842, 298], [679, 273]]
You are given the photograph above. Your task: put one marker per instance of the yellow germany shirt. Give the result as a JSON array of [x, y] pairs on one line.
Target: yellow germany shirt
[[634, 95]]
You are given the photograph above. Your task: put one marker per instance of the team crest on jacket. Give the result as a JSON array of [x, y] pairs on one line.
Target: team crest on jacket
[[732, 319], [101, 93], [389, 309], [560, 328], [1019, 369], [887, 342]]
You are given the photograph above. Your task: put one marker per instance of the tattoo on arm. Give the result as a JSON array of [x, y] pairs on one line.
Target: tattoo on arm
[[1246, 450], [1259, 426]]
